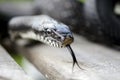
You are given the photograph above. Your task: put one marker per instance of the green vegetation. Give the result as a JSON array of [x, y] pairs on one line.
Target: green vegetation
[[82, 1], [18, 58], [15, 0]]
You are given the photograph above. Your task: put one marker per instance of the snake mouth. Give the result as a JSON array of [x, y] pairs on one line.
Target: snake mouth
[[67, 41]]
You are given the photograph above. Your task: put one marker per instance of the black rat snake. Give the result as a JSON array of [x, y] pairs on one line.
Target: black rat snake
[[43, 28]]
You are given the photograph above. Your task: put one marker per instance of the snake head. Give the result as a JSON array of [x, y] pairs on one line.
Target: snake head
[[56, 34]]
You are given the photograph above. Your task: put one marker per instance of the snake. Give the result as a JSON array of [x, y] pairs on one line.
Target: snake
[[44, 29]]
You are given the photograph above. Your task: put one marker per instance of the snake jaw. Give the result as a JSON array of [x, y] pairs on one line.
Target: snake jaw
[[63, 38]]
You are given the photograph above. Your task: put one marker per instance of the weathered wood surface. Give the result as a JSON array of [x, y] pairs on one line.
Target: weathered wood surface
[[98, 61], [9, 69]]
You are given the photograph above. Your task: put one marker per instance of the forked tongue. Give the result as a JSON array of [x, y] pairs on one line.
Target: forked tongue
[[73, 56]]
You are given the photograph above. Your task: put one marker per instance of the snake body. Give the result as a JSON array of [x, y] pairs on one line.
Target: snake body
[[42, 28]]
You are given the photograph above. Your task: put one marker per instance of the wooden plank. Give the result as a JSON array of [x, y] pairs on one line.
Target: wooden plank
[[99, 62], [9, 69]]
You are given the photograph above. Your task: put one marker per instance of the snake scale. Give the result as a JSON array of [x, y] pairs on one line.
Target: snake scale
[[45, 29]]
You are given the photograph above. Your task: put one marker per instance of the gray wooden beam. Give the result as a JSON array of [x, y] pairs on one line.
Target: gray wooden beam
[[99, 62], [9, 69]]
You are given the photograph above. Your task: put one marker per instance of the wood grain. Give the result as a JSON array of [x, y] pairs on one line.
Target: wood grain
[[9, 69], [99, 62]]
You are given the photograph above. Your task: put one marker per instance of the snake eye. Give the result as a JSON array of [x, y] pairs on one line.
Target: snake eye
[[48, 32], [59, 38]]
